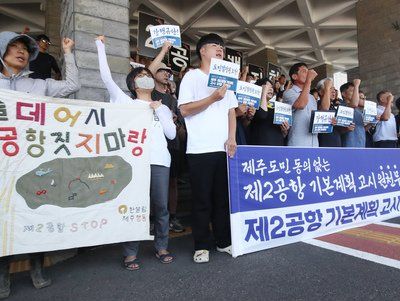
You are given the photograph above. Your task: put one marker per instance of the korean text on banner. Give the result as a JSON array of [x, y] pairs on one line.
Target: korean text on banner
[[73, 173], [248, 94], [322, 122], [162, 33], [344, 116], [370, 112], [282, 113], [223, 72], [285, 195]]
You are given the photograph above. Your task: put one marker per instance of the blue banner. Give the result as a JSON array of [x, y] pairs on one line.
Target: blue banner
[[280, 195]]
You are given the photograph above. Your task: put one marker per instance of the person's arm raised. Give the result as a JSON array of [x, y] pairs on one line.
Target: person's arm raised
[[302, 101], [160, 56], [326, 99], [105, 72], [356, 96]]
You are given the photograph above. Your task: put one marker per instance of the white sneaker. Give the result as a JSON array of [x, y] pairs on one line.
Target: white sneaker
[[228, 250], [201, 256]]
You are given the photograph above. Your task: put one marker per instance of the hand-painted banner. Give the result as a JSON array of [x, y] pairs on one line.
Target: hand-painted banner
[[284, 195], [72, 173]]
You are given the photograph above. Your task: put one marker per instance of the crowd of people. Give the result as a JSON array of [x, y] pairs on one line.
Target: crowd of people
[[205, 123]]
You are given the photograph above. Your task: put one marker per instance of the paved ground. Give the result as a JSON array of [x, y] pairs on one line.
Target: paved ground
[[295, 272]]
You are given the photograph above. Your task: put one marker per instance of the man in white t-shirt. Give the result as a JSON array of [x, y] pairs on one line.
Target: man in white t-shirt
[[385, 135], [211, 127]]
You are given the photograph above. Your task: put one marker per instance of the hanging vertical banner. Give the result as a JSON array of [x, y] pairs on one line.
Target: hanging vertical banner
[[256, 71], [234, 56], [179, 57], [144, 42], [273, 71], [282, 195], [73, 173]]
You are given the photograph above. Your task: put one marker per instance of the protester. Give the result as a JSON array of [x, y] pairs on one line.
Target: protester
[[162, 74], [16, 51], [385, 135], [140, 83], [327, 102], [398, 121], [244, 114], [351, 98], [44, 63], [262, 130], [211, 124], [369, 130], [303, 104]]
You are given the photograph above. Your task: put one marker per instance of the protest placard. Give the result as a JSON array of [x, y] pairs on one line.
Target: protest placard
[[344, 116], [162, 33], [248, 94], [223, 72], [282, 113], [321, 122]]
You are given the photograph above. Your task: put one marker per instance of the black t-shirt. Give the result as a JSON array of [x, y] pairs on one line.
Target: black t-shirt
[[42, 66], [263, 131], [172, 104]]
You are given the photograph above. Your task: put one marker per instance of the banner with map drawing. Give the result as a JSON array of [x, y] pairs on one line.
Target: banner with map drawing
[[72, 173]]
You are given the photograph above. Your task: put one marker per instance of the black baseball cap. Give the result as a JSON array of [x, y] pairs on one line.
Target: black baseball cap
[[43, 37], [211, 38]]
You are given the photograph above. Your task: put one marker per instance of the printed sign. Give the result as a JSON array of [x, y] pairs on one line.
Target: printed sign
[[282, 113], [344, 116], [322, 122], [223, 72], [370, 112], [74, 173], [248, 94], [162, 33], [282, 195], [179, 57], [256, 71], [234, 56], [273, 71], [144, 41]]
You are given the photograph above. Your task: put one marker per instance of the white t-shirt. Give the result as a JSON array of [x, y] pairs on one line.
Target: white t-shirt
[[162, 125], [385, 130], [207, 130]]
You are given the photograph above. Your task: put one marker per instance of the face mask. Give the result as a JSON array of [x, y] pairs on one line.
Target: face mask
[[252, 81], [144, 82]]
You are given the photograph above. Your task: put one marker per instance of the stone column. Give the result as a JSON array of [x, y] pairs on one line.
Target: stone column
[[52, 26], [263, 57], [82, 21], [379, 46]]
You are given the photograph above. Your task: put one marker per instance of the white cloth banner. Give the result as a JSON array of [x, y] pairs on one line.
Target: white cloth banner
[[73, 173]]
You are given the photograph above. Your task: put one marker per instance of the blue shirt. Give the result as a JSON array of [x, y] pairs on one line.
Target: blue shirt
[[299, 134]]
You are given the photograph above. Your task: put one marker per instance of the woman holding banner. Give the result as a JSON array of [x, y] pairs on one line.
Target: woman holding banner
[[16, 51], [140, 83]]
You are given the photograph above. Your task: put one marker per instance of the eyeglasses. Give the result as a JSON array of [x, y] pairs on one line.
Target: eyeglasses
[[45, 41]]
